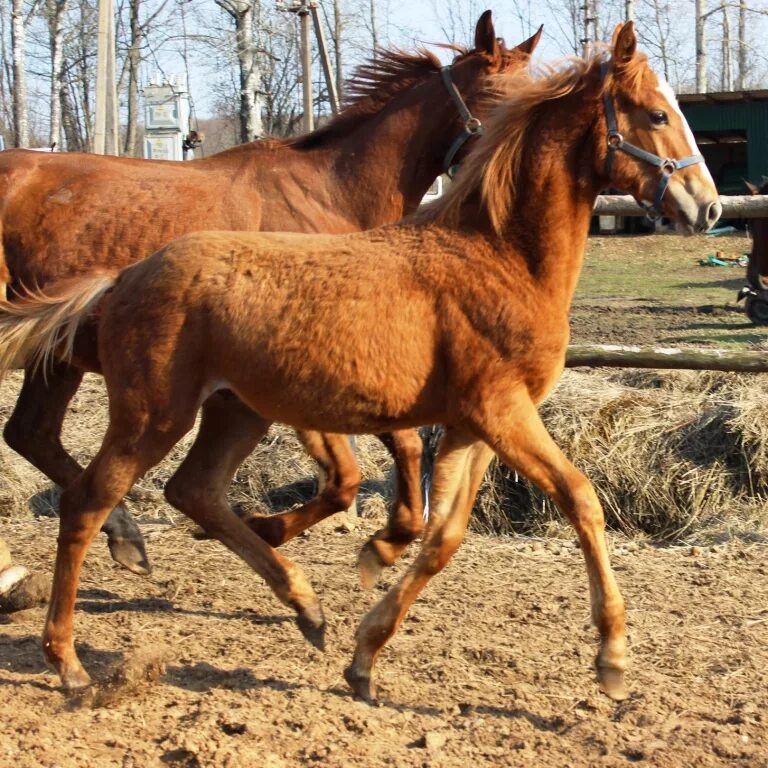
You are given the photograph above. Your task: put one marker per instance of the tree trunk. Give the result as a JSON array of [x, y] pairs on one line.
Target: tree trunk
[[134, 59], [701, 47], [374, 30], [726, 80], [18, 35], [56, 11], [338, 31], [741, 78], [242, 12]]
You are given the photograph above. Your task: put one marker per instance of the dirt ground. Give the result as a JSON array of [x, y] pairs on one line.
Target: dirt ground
[[198, 665], [492, 667]]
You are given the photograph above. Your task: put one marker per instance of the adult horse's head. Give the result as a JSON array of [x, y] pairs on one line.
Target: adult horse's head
[[650, 151], [469, 79]]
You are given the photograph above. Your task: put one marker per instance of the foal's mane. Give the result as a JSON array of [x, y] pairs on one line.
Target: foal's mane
[[493, 166]]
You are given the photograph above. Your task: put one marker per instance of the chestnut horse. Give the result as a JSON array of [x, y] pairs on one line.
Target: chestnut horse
[[435, 319], [756, 290], [65, 215]]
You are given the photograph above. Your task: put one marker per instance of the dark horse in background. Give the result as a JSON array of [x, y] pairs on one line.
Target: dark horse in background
[[70, 215], [755, 292]]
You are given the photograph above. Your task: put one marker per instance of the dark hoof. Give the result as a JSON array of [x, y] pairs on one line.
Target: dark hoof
[[312, 630], [131, 555], [362, 685]]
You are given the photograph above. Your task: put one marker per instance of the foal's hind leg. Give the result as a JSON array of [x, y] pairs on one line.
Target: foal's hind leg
[[34, 432], [336, 458], [521, 440], [126, 453], [459, 469], [406, 518], [228, 433]]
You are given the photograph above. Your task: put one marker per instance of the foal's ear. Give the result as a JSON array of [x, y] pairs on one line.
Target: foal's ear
[[753, 190], [624, 43], [529, 46], [485, 35]]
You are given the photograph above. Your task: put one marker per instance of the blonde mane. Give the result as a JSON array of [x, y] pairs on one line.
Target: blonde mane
[[493, 166]]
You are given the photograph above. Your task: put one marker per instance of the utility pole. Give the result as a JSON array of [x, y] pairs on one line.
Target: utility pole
[[304, 9], [105, 140]]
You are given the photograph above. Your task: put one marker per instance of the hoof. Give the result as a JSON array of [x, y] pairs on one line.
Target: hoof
[[75, 679], [362, 685], [313, 628], [370, 565], [612, 683], [131, 555]]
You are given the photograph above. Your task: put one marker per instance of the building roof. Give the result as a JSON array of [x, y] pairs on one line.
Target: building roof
[[722, 97]]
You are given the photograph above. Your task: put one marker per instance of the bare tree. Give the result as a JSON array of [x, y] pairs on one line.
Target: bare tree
[[19, 19], [242, 13], [726, 72], [55, 14], [701, 46]]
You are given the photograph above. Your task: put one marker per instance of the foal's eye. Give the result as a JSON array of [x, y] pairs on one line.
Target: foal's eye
[[659, 117]]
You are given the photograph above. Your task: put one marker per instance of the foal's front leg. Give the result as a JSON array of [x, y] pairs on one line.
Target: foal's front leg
[[459, 468], [516, 432], [34, 432]]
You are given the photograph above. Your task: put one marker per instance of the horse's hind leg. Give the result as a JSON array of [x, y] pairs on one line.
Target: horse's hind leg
[[127, 452], [228, 433], [459, 469], [34, 432], [406, 518], [522, 442], [335, 456]]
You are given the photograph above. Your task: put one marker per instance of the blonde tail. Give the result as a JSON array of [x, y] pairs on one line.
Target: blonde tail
[[37, 325]]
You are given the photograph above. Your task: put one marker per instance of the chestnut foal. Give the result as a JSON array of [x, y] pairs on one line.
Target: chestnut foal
[[67, 215], [434, 319]]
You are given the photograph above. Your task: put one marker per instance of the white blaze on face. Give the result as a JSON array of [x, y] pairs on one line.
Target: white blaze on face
[[666, 91]]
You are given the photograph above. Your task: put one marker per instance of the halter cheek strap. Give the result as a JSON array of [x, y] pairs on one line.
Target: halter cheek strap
[[472, 126], [616, 143]]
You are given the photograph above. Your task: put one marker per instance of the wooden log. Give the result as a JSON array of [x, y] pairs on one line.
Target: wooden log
[[734, 206], [626, 356]]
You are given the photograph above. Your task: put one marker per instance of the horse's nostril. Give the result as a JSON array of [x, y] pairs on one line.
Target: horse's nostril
[[713, 213]]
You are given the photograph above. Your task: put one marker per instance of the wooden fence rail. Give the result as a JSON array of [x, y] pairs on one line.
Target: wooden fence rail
[[628, 356], [734, 206]]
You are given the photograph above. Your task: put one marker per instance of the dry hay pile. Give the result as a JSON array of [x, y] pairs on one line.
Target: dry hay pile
[[673, 455]]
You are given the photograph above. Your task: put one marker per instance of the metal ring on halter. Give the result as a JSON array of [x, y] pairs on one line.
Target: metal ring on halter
[[669, 166], [615, 139], [473, 126]]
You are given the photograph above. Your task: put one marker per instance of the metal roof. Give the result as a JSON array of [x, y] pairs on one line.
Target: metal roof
[[723, 97]]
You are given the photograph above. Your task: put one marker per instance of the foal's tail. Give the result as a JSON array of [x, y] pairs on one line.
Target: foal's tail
[[39, 325]]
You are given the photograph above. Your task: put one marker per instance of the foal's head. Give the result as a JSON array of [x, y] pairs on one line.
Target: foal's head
[[649, 150]]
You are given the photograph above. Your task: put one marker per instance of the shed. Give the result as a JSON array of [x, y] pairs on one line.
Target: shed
[[731, 129]]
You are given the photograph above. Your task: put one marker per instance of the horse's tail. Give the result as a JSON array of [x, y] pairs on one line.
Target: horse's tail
[[37, 325], [5, 275]]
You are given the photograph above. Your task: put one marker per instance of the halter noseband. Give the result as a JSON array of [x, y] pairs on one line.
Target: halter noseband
[[472, 126], [616, 142]]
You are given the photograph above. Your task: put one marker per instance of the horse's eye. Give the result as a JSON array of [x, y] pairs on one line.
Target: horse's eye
[[659, 117]]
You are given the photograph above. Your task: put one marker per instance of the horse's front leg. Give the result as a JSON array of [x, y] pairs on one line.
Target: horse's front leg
[[34, 432]]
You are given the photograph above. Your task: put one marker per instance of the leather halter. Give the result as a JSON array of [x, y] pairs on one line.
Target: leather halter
[[616, 143], [472, 126]]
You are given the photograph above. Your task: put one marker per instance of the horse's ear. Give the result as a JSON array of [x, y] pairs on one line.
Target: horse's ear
[[753, 190], [624, 43], [485, 35], [529, 46]]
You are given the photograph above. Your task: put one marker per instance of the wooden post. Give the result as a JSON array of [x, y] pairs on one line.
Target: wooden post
[[106, 136], [306, 68], [333, 96]]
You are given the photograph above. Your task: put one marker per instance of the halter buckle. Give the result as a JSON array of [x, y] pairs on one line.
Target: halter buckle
[[615, 139]]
